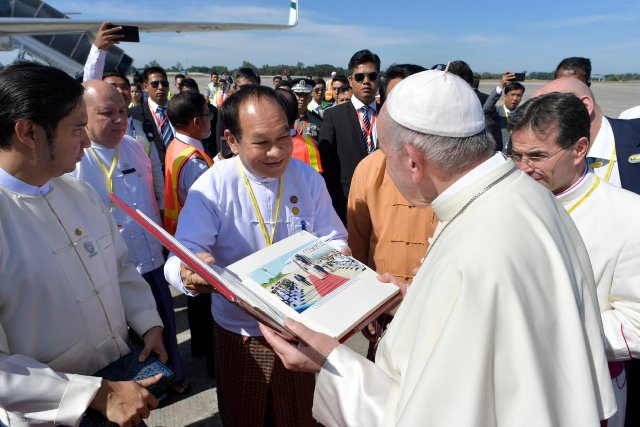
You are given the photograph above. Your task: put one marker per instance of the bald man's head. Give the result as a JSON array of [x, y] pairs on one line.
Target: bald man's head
[[582, 91], [566, 85], [576, 87], [107, 113]]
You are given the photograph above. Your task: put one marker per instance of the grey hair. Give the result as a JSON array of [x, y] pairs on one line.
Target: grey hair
[[453, 154]]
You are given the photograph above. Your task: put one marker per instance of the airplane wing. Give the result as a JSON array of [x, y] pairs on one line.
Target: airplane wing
[[41, 26]]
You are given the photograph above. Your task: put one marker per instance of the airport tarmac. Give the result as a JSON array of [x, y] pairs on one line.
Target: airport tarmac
[[613, 97], [199, 408]]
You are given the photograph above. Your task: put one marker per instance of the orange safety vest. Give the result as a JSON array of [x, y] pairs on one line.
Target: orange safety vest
[[305, 149], [177, 155]]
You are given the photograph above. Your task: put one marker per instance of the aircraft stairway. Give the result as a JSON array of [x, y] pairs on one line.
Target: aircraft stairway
[[65, 51]]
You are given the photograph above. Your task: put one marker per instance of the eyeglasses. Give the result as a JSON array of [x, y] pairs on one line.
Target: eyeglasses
[[359, 77], [318, 90], [536, 159], [155, 83]]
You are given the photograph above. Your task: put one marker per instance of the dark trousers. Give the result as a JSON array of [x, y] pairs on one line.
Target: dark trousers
[[164, 303], [632, 417], [201, 325]]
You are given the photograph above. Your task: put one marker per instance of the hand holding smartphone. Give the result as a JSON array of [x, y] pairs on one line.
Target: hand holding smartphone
[[129, 33]]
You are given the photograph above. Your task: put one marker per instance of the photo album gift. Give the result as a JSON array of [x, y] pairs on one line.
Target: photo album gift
[[300, 277]]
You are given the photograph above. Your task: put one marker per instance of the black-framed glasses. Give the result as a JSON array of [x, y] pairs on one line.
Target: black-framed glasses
[[318, 90], [155, 83], [359, 77], [535, 159]]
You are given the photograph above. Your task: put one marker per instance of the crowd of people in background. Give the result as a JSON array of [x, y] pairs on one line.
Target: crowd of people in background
[[524, 304]]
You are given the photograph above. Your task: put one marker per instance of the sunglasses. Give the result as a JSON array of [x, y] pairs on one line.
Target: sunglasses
[[359, 77], [155, 83], [318, 90]]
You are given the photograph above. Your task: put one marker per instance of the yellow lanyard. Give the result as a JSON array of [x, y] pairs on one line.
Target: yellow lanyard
[[506, 114], [583, 198], [596, 165], [267, 238], [109, 172]]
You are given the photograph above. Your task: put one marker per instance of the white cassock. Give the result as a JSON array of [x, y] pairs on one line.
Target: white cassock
[[218, 217], [66, 297], [500, 328], [608, 219]]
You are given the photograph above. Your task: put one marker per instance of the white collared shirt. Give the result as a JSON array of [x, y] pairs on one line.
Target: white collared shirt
[[191, 170], [219, 218], [602, 149], [153, 107], [315, 107], [135, 188], [12, 183]]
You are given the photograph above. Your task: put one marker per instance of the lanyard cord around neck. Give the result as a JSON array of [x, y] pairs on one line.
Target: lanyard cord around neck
[[585, 197], [372, 122], [107, 172], [267, 238], [507, 113]]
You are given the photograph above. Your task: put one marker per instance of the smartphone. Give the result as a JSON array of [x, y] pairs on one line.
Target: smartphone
[[129, 33], [519, 77]]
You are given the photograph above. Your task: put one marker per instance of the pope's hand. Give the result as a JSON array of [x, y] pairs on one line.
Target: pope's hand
[[390, 278], [192, 281], [308, 355]]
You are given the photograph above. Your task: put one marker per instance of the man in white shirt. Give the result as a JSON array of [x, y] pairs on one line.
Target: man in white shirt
[[501, 324], [67, 296], [94, 70], [186, 160], [116, 164], [237, 207], [550, 142]]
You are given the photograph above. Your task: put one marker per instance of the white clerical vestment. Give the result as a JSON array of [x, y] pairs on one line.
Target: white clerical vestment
[[500, 328], [603, 149], [66, 297], [608, 219], [132, 182], [219, 217]]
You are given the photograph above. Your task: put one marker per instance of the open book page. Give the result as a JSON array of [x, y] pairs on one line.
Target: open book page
[[314, 283]]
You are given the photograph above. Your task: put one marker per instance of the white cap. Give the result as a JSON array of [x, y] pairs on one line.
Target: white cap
[[436, 103]]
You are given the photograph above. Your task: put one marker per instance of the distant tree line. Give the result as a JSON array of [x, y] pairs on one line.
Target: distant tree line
[[325, 70], [544, 75]]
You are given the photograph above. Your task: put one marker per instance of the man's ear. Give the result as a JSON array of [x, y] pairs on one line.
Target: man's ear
[[233, 143], [28, 133], [589, 103], [415, 162], [582, 147]]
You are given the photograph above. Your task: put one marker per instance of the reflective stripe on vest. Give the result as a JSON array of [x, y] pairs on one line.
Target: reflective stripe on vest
[[305, 149], [176, 157]]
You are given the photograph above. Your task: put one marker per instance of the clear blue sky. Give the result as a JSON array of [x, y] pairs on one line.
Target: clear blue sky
[[490, 36]]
